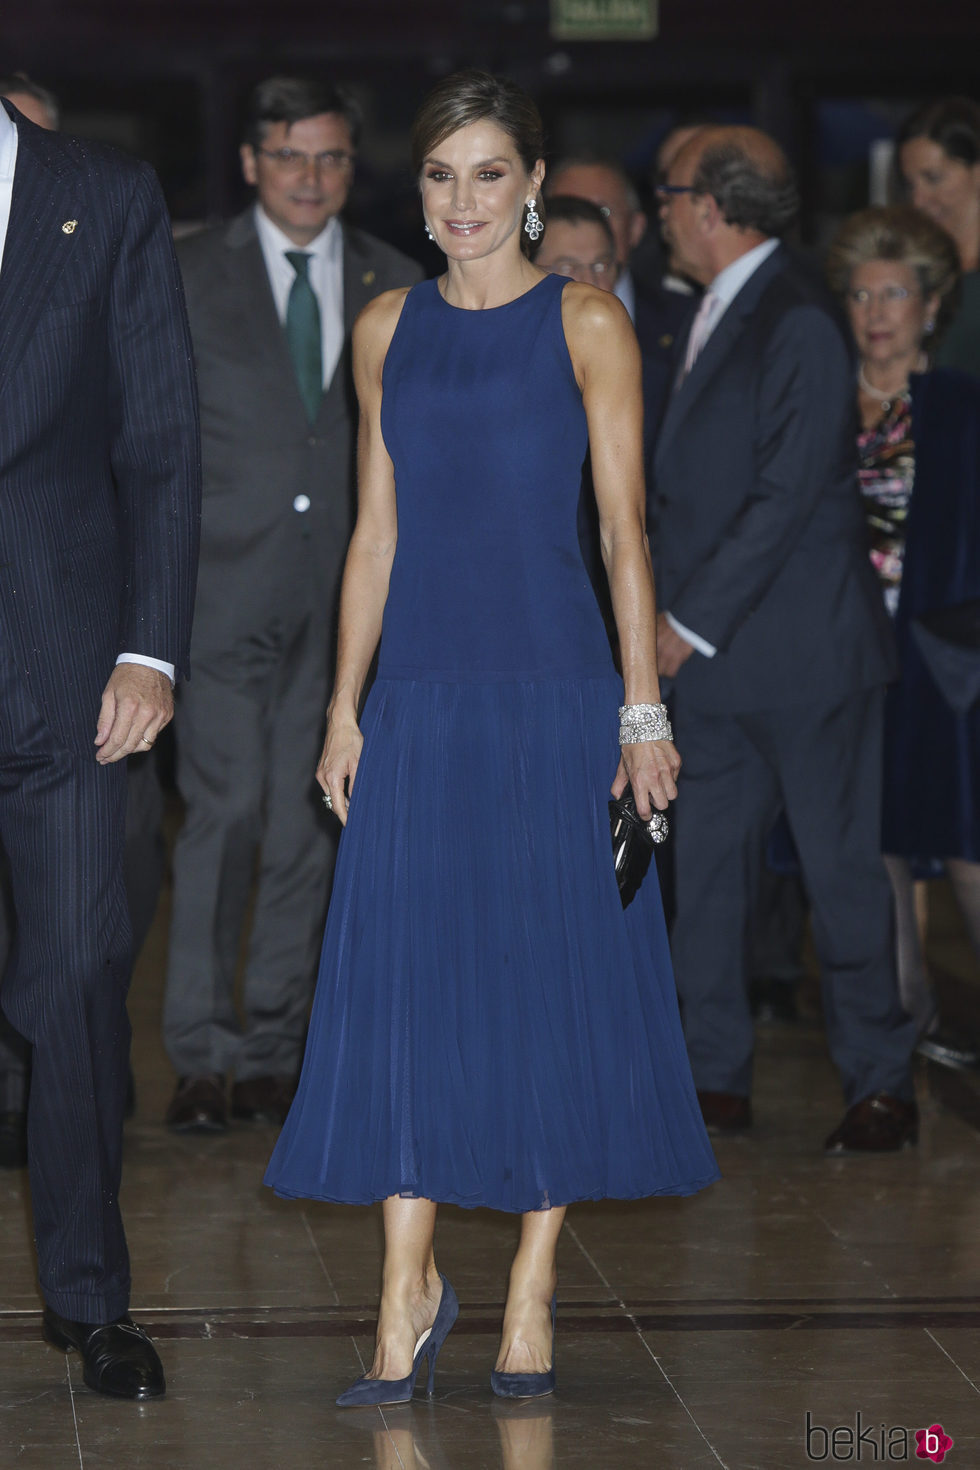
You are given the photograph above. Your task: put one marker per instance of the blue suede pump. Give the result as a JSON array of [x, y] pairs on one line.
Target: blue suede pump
[[528, 1385], [367, 1391]]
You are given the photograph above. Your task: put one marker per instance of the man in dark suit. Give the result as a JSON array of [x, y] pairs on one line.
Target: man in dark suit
[[272, 298], [100, 471], [40, 107], [774, 631], [144, 860]]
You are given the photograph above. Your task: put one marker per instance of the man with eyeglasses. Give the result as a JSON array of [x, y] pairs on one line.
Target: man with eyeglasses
[[577, 243], [272, 298], [610, 189], [773, 631], [658, 315]]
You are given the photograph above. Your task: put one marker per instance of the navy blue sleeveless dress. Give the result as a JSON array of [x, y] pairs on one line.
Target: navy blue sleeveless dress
[[490, 1027]]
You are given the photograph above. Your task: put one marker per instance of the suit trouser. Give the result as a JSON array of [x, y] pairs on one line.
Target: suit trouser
[[249, 730], [61, 824], [15, 1054], [144, 863], [822, 763]]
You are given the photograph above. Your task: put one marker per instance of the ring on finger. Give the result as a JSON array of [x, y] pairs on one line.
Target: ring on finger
[[146, 741], [658, 827], [328, 801]]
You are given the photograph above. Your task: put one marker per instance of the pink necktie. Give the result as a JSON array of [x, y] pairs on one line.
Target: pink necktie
[[701, 328]]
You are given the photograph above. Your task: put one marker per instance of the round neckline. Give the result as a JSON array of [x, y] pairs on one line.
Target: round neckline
[[487, 310]]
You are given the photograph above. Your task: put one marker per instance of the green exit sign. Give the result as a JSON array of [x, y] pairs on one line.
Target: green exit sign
[[603, 20]]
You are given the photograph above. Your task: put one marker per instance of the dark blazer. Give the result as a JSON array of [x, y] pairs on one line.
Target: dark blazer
[[930, 749], [98, 427], [757, 525], [260, 450], [661, 319]]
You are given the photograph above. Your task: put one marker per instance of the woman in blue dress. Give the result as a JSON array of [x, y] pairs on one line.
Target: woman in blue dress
[[491, 1027]]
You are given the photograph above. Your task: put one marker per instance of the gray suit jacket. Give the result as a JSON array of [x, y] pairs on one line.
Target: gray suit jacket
[[757, 527], [260, 450]]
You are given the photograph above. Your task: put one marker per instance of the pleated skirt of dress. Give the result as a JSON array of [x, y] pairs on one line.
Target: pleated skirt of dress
[[490, 1026]]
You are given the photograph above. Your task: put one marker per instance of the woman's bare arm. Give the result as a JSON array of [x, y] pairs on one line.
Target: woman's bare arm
[[364, 589], [606, 359]]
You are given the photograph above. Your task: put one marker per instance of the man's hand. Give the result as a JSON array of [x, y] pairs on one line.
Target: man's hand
[[136, 704], [672, 649]]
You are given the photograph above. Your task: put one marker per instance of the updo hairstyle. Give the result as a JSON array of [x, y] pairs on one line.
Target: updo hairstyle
[[477, 96], [952, 122]]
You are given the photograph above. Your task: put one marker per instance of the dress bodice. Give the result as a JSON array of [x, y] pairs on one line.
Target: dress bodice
[[484, 423]]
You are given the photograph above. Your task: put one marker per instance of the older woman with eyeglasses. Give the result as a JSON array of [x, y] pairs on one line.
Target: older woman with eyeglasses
[[919, 454]]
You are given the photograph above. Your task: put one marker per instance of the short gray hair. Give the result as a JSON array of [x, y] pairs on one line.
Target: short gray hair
[[749, 195], [905, 235]]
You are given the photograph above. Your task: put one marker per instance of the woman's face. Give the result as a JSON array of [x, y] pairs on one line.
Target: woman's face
[[944, 188], [888, 312], [474, 189]]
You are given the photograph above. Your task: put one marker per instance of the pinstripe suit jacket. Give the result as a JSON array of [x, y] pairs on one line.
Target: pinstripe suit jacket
[[99, 458]]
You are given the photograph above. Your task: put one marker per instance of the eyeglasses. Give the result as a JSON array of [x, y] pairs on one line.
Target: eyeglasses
[[667, 191], [294, 161], [863, 297], [601, 270]]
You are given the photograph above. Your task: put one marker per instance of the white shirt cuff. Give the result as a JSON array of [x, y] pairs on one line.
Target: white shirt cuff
[[701, 644], [150, 663]]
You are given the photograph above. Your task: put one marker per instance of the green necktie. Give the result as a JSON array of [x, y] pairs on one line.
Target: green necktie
[[303, 334]]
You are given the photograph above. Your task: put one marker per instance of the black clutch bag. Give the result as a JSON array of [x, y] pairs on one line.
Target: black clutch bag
[[632, 843]]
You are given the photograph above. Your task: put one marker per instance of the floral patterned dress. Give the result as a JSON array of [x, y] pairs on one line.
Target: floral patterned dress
[[886, 470]]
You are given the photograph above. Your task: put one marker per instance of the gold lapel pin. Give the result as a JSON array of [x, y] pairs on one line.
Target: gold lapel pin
[[68, 228], [368, 278]]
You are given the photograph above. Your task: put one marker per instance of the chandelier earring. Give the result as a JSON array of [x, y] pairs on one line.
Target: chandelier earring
[[429, 233], [533, 225]]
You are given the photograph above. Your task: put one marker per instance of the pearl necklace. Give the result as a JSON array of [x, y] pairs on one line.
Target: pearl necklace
[[876, 393]]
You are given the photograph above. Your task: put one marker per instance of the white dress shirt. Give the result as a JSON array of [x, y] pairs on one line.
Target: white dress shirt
[[724, 288], [727, 283], [625, 289], [8, 162], [326, 276]]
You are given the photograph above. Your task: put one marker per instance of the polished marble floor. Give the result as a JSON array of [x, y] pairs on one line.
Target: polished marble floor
[[741, 1328]]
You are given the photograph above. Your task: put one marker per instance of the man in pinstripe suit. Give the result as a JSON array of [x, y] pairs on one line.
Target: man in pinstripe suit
[[99, 477]]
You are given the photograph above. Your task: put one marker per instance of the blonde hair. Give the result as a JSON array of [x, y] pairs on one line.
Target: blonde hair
[[900, 233]]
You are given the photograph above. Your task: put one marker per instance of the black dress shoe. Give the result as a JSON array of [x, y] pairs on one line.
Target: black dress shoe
[[118, 1356], [725, 1112], [198, 1105], [263, 1099], [13, 1140], [877, 1124]]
